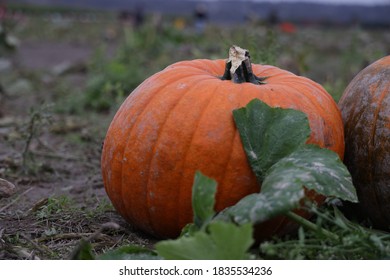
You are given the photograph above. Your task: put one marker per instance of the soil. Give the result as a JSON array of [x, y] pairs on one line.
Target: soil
[[54, 162]]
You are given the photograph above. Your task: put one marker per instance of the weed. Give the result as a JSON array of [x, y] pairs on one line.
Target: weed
[[54, 205], [102, 207], [354, 241], [14, 239], [39, 119]]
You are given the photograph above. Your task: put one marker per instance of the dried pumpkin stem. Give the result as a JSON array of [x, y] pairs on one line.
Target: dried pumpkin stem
[[239, 68]]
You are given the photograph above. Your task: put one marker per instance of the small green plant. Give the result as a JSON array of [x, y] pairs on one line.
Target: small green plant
[[350, 240], [269, 50], [102, 207], [15, 239], [110, 80], [54, 205]]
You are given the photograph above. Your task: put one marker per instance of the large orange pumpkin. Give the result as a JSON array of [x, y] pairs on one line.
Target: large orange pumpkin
[[365, 108], [180, 120]]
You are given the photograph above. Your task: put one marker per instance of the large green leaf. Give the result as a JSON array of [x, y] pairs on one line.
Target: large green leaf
[[221, 241], [283, 186], [287, 168], [203, 199], [259, 207], [269, 134]]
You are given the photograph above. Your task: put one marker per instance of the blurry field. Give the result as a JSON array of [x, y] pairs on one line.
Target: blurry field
[[66, 78]]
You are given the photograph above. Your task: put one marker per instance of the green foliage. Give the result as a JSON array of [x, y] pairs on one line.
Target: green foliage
[[203, 193], [207, 239], [315, 168], [102, 206], [270, 48], [130, 252], [354, 241], [220, 241], [83, 251], [274, 141], [139, 55], [53, 206], [108, 83], [269, 134]]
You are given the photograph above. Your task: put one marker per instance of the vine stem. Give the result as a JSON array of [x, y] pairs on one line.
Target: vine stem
[[309, 225]]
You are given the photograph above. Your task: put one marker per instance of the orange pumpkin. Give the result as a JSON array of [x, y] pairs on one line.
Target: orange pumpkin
[[180, 120], [365, 108]]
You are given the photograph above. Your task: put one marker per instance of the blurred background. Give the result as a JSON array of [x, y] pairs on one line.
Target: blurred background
[[82, 58], [66, 66], [113, 45], [78, 60]]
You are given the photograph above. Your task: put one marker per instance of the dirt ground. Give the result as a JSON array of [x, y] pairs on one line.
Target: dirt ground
[[54, 162]]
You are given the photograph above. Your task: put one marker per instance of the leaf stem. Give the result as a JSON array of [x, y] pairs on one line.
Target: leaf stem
[[309, 225]]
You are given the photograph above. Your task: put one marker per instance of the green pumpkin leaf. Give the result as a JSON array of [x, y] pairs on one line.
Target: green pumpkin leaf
[[287, 168], [259, 207], [315, 168], [221, 241], [283, 186], [269, 134], [203, 199]]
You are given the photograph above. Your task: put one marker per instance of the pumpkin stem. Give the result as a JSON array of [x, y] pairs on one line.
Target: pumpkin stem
[[239, 68]]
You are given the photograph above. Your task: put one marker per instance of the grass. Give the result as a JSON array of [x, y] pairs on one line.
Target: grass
[[352, 240], [59, 225], [54, 205], [67, 202]]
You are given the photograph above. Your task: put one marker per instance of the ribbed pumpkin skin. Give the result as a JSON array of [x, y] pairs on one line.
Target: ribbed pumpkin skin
[[365, 107], [179, 121]]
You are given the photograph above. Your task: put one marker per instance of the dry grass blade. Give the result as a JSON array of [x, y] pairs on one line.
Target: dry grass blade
[[40, 247]]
